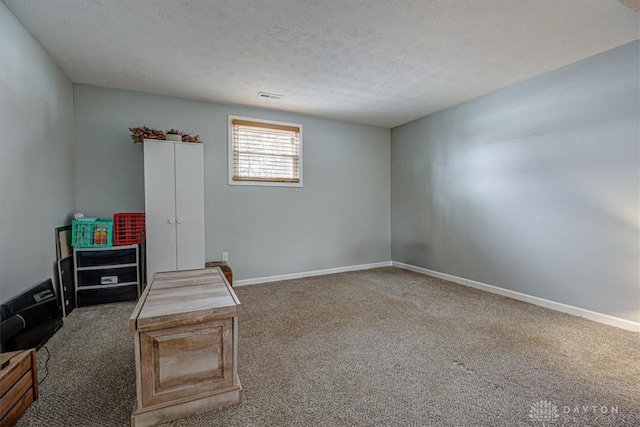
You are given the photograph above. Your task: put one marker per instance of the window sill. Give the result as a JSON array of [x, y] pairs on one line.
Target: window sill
[[266, 184]]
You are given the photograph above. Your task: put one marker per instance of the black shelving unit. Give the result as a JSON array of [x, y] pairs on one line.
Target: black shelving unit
[[105, 275]]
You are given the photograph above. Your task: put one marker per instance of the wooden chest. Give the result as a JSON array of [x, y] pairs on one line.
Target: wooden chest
[[18, 385], [186, 339]]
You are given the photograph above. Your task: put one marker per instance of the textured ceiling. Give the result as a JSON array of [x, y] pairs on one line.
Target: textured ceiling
[[382, 62]]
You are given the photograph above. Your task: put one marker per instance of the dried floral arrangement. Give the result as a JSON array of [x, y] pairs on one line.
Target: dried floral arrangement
[[143, 132], [191, 138], [138, 134]]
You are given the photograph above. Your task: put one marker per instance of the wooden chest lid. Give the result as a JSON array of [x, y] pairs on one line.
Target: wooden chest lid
[[183, 298]]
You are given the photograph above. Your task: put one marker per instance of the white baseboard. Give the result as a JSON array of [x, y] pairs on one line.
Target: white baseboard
[[557, 306], [310, 273]]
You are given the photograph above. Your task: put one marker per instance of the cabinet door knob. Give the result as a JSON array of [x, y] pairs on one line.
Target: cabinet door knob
[[171, 220], [180, 220]]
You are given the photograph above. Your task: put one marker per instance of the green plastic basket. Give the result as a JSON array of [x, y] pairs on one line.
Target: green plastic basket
[[91, 233]]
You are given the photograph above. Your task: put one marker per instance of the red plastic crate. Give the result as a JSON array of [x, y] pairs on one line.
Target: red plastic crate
[[128, 228]]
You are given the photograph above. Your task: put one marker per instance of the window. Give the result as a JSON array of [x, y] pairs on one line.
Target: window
[[264, 152]]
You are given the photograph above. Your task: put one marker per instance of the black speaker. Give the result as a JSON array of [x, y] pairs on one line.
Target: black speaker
[[30, 319], [10, 327]]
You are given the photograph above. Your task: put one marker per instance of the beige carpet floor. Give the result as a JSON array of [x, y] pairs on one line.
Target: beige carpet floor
[[383, 347]]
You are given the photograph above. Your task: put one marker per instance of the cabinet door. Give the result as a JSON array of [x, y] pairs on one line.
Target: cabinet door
[[160, 198], [190, 206]]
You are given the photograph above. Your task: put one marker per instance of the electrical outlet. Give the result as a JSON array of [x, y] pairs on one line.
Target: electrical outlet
[[225, 256]]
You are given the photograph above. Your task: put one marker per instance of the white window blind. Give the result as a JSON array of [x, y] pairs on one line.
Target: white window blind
[[265, 152]]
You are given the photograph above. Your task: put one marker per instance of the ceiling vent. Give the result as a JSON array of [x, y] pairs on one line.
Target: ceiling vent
[[269, 95]]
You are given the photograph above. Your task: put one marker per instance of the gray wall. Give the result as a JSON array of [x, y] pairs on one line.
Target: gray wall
[[36, 152], [340, 217], [533, 188]]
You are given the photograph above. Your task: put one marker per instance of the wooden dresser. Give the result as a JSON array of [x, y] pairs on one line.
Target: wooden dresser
[[18, 385], [186, 340]]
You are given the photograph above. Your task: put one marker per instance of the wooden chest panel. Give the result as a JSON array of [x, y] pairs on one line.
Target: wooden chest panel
[[18, 385], [18, 410], [15, 393], [186, 361], [17, 367]]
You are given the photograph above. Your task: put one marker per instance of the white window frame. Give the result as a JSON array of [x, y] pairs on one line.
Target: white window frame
[[260, 183]]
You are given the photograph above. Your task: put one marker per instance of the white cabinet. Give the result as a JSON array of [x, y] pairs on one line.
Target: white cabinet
[[174, 205]]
